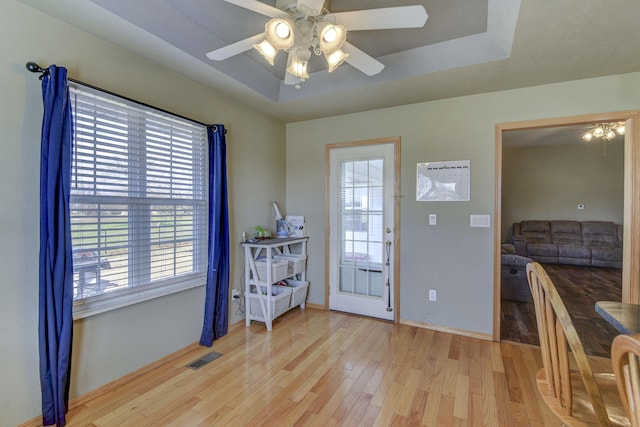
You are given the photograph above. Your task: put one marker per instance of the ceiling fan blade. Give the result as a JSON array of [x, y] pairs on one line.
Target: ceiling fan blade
[[362, 61], [382, 19], [259, 7], [315, 6], [235, 48]]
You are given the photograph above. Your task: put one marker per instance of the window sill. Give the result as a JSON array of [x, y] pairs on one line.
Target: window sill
[[107, 302]]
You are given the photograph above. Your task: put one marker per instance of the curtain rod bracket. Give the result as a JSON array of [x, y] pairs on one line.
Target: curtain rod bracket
[[35, 68]]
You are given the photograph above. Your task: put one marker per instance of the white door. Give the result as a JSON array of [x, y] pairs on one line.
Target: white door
[[361, 229]]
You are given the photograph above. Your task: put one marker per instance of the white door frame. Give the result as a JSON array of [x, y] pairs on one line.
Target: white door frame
[[396, 209]]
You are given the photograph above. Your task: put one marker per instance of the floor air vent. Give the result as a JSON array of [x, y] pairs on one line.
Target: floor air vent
[[197, 364]]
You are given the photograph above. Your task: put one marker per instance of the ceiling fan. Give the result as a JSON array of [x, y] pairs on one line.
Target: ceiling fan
[[305, 27]]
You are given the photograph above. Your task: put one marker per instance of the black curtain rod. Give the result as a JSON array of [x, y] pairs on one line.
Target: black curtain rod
[[35, 68]]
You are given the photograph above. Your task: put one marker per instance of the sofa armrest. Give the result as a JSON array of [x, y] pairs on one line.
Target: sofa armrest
[[520, 243]]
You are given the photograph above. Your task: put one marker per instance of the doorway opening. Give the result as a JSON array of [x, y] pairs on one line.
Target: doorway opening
[[631, 195]]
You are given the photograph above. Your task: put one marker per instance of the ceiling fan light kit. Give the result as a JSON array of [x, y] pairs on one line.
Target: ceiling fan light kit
[[605, 131], [301, 27]]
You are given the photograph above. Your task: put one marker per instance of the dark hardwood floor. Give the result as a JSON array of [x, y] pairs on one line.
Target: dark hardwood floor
[[580, 288]]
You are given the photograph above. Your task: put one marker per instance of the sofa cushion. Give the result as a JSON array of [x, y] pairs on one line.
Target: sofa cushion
[[566, 233], [574, 251], [574, 255], [542, 250], [600, 233], [536, 231], [606, 257]]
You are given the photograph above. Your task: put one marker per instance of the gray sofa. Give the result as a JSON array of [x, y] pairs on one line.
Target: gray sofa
[[588, 243]]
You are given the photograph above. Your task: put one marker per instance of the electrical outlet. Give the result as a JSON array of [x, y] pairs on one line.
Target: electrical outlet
[[432, 295]]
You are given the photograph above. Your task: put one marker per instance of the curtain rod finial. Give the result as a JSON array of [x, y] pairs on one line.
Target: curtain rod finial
[[34, 68]]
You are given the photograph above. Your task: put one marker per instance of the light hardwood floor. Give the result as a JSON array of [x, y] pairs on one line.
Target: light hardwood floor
[[320, 368]]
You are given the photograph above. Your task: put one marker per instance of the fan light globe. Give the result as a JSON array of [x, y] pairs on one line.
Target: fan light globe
[[298, 64], [598, 132], [282, 30], [587, 136], [267, 50], [335, 59], [279, 32], [332, 37], [298, 69]]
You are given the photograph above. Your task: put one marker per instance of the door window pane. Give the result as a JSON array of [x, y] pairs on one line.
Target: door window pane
[[362, 227]]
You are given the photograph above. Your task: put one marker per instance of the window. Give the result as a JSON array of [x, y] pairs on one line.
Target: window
[[138, 202]]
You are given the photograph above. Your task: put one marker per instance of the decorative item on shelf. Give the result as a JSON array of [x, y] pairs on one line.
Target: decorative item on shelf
[[262, 233], [283, 228], [297, 225]]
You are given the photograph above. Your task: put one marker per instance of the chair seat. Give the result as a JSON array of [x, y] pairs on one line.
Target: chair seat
[[583, 414]]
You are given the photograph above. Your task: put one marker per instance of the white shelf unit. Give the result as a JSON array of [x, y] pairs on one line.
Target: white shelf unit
[[263, 310]]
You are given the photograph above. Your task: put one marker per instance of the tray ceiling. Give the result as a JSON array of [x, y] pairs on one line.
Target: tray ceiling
[[466, 47]]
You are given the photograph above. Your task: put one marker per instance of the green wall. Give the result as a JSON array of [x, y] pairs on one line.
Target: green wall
[[550, 181], [450, 257], [109, 345]]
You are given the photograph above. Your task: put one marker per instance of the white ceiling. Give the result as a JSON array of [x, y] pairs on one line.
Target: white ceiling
[[466, 47]]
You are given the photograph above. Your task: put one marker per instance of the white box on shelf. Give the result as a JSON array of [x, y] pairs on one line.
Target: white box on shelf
[[299, 295], [278, 269], [280, 302], [297, 224], [296, 262]]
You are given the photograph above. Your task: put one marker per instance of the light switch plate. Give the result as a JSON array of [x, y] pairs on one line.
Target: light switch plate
[[483, 221], [432, 219]]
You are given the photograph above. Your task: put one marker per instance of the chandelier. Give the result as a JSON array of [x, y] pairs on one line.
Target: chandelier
[[301, 35], [605, 131]]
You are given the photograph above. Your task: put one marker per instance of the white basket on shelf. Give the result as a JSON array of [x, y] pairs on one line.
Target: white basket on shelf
[[299, 294], [278, 269], [296, 262], [279, 301]]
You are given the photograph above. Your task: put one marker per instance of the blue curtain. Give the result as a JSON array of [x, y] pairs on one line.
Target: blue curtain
[[55, 326], [216, 310]]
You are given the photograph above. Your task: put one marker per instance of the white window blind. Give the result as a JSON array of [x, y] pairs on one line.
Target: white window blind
[[138, 200]]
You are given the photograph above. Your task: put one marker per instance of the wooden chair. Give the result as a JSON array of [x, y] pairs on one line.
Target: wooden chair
[[577, 396], [625, 352]]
